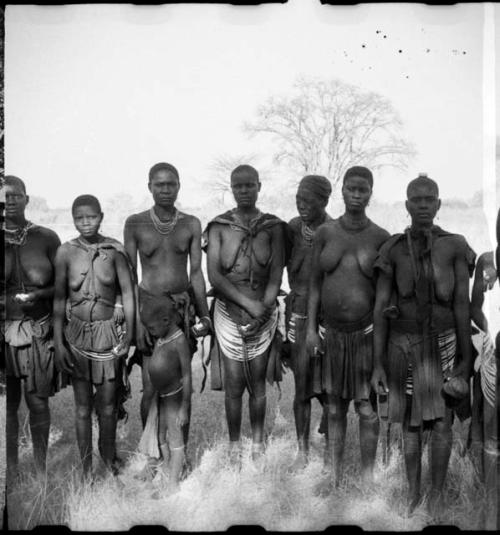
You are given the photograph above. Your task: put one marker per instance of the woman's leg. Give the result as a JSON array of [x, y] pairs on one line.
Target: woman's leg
[[12, 426], [257, 400], [337, 425], [441, 439], [368, 437], [301, 402], [234, 386], [490, 462], [412, 450], [82, 391], [105, 400], [39, 427]]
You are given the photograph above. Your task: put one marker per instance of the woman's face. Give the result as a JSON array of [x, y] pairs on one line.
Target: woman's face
[[309, 205], [423, 204], [87, 220], [356, 192]]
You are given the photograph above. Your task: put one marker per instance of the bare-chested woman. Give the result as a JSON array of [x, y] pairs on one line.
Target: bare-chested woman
[[29, 278], [422, 324], [245, 259], [91, 271], [312, 197], [342, 294], [483, 431], [165, 239]]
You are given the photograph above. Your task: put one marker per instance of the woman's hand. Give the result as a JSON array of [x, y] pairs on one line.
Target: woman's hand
[[62, 359]]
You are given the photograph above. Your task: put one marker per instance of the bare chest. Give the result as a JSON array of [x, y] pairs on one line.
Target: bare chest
[[239, 247], [29, 263], [153, 245], [348, 252], [91, 273], [440, 269]]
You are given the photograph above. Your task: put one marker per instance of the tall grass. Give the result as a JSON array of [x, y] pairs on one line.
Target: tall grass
[[217, 494]]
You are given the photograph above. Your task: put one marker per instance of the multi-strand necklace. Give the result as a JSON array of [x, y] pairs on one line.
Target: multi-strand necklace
[[18, 235], [308, 233], [164, 227]]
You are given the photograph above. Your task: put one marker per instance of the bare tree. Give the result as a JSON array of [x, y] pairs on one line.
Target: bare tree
[[326, 126]]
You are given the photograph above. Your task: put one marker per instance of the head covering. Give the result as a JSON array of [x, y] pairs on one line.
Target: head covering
[[319, 185]]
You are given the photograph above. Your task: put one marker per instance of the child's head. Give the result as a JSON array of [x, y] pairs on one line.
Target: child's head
[[159, 316], [87, 215]]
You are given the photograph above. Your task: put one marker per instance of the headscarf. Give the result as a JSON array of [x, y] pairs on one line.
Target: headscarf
[[319, 185]]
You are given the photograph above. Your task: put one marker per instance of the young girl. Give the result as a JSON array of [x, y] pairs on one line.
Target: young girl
[[91, 271], [170, 374]]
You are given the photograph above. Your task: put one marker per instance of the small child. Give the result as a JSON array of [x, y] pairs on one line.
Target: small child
[[170, 373]]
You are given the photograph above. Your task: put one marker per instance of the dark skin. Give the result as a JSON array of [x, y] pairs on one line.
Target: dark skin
[[483, 430], [112, 277], [311, 209], [342, 281], [170, 367], [164, 263], [35, 300], [223, 245], [485, 277], [451, 281]]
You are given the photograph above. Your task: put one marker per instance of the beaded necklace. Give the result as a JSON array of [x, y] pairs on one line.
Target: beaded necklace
[[308, 233], [18, 235], [163, 341], [164, 227]]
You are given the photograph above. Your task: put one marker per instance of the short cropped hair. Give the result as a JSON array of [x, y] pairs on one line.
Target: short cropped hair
[[245, 169], [86, 200], [422, 180], [163, 166], [11, 180], [359, 170]]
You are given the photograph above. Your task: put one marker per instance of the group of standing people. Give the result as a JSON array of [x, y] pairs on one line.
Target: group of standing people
[[380, 320]]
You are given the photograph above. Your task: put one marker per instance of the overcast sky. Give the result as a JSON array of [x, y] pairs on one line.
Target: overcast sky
[[97, 94]]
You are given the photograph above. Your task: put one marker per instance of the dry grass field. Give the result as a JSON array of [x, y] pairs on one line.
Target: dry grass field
[[216, 495]]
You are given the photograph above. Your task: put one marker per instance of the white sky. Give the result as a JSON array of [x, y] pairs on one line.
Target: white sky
[[97, 94]]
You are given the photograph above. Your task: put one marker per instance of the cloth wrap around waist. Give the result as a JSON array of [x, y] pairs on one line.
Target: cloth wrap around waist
[[229, 341], [347, 359], [227, 315], [92, 342], [416, 342], [30, 355], [306, 369], [486, 365]]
